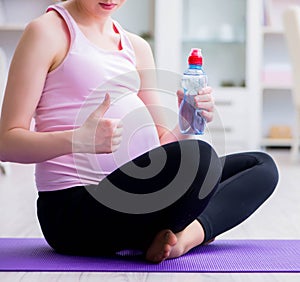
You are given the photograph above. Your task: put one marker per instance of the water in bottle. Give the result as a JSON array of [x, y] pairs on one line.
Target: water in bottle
[[193, 80]]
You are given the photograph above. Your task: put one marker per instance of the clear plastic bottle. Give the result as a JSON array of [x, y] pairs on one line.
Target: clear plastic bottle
[[194, 79]]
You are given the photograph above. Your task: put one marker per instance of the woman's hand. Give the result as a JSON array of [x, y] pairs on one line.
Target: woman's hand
[[98, 134], [204, 101]]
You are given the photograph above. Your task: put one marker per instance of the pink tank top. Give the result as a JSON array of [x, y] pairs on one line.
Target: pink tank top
[[74, 90]]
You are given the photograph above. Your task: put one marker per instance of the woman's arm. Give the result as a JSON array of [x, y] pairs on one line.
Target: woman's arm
[[33, 58], [41, 48], [152, 99]]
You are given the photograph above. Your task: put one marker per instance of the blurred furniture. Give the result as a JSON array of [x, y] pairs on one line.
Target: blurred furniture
[[277, 107], [291, 23]]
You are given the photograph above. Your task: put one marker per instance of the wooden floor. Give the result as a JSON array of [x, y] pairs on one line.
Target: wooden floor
[[279, 218]]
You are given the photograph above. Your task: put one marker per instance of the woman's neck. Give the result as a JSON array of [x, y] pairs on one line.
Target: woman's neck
[[87, 19], [98, 29]]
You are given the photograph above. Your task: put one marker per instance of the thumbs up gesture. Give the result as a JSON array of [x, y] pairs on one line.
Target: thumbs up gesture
[[98, 134]]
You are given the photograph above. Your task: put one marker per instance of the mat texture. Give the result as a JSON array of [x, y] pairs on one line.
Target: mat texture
[[18, 254]]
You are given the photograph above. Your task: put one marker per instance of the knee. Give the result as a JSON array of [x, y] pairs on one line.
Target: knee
[[269, 169]]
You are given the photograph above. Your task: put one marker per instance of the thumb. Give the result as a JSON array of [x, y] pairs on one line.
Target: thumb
[[103, 107]]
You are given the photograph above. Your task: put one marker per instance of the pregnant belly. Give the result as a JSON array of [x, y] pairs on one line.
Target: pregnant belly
[[139, 134]]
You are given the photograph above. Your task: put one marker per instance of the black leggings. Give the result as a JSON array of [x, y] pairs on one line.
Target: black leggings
[[174, 185]]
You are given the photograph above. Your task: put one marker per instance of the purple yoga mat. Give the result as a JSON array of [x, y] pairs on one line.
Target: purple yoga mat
[[221, 256]]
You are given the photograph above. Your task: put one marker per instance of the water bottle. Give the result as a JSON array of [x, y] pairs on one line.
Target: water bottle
[[194, 79]]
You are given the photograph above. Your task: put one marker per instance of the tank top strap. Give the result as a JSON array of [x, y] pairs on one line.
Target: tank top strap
[[71, 24], [125, 41]]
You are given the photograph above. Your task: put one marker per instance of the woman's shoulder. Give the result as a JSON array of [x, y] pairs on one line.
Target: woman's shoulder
[[143, 51], [48, 26], [137, 41], [46, 35]]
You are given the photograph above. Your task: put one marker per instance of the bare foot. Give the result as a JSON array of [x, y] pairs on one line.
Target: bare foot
[[167, 245], [161, 246], [190, 237]]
